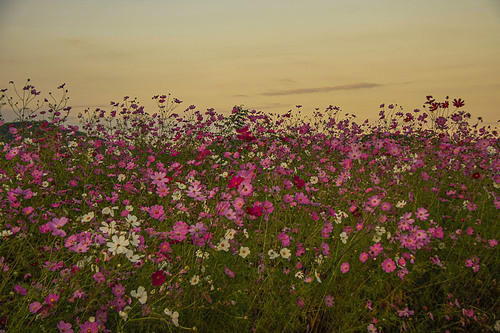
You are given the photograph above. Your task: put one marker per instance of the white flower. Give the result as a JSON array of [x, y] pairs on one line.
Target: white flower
[[129, 208], [223, 245], [121, 177], [344, 237], [109, 211], [88, 217], [299, 275], [118, 244], [313, 180], [401, 204], [379, 230], [230, 234], [124, 313], [285, 253], [376, 239], [244, 251], [108, 228], [174, 315], [194, 280], [317, 275], [140, 294], [497, 326], [272, 254], [492, 151], [132, 219], [135, 239], [177, 195], [133, 258]]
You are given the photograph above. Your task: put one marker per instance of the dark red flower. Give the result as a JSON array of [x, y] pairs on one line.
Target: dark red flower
[[235, 181], [159, 278], [476, 175], [298, 182], [458, 103], [256, 210]]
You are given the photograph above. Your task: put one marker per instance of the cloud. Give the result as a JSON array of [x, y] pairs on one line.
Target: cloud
[[361, 85]]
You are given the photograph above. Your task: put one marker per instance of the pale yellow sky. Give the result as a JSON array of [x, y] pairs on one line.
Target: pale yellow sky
[[269, 55]]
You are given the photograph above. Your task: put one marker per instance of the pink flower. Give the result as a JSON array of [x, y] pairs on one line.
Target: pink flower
[[156, 211], [179, 231], [300, 303], [344, 268], [165, 247], [422, 214], [64, 327], [329, 301], [159, 178], [199, 229], [388, 265], [363, 257], [228, 272], [56, 226], [267, 207], [374, 201], [325, 249], [28, 210]]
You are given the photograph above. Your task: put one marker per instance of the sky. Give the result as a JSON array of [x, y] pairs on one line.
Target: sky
[[269, 55]]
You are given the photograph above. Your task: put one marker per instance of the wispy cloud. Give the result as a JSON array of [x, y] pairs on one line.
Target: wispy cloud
[[361, 85]]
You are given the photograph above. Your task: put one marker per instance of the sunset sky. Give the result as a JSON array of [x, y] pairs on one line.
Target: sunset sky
[[269, 55]]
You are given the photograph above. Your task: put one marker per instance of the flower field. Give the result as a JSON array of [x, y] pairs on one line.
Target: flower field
[[189, 220]]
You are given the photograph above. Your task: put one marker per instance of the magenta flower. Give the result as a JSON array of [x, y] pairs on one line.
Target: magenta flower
[[388, 265], [89, 327], [20, 290], [344, 268], [51, 299], [228, 272], [118, 290], [300, 303], [35, 307], [363, 257], [99, 277]]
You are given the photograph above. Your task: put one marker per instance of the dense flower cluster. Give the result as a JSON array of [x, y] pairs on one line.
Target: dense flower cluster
[[161, 221]]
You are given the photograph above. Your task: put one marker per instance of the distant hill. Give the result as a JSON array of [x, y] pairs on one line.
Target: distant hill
[[29, 129]]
